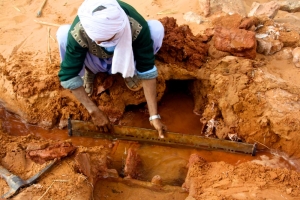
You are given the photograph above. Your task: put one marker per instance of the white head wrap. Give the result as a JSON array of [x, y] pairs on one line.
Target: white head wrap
[[103, 20]]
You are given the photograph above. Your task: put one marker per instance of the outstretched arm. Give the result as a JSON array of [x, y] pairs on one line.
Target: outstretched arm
[[149, 86]]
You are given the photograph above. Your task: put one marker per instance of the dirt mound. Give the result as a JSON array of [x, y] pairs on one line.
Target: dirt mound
[[181, 46], [245, 181]]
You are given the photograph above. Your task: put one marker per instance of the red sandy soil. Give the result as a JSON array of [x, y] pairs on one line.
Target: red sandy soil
[[248, 91]]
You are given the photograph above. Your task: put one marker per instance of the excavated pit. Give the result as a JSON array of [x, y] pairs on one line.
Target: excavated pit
[[101, 163], [239, 75]]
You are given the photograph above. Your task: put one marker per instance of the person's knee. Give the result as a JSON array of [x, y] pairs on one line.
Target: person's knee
[[157, 32], [156, 28], [62, 33]]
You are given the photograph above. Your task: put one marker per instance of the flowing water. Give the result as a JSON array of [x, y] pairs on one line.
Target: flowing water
[[170, 163]]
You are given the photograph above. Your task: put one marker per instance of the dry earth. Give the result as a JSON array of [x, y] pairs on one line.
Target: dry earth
[[244, 79]]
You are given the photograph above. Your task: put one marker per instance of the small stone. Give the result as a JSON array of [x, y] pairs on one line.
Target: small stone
[[63, 123], [112, 173], [156, 180], [289, 190], [296, 56], [284, 54], [268, 46], [273, 175], [36, 146]]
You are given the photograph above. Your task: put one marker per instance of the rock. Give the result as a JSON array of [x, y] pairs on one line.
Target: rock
[[296, 56], [228, 21], [209, 32], [285, 54], [273, 175], [226, 6], [156, 180], [47, 123], [271, 38], [289, 190], [107, 83], [238, 42], [192, 17], [205, 7], [195, 158], [132, 164], [35, 146], [216, 54], [58, 150], [83, 161], [112, 173], [289, 39], [290, 21], [290, 5], [63, 123], [269, 9], [268, 46], [92, 164], [248, 22]]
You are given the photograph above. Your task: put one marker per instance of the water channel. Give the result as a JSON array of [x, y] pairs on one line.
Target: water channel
[[176, 109]]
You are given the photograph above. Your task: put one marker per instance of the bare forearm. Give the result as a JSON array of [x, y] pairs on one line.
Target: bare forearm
[[149, 86], [99, 118], [82, 96]]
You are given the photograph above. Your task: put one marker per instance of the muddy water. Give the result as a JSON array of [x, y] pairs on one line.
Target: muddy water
[[168, 162], [13, 125]]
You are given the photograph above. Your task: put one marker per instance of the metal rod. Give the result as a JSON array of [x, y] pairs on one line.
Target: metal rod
[[88, 129]]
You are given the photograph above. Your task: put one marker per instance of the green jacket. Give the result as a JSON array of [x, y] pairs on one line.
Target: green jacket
[[142, 46]]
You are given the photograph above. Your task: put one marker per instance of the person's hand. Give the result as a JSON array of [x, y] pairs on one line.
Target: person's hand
[[101, 121], [159, 126], [99, 118]]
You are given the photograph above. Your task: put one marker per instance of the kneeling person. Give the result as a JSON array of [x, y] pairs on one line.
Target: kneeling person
[[110, 36]]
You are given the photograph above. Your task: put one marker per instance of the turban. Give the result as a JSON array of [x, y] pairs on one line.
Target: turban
[[103, 20]]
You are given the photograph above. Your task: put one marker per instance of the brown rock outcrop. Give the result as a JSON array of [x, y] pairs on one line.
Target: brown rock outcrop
[[238, 42]]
